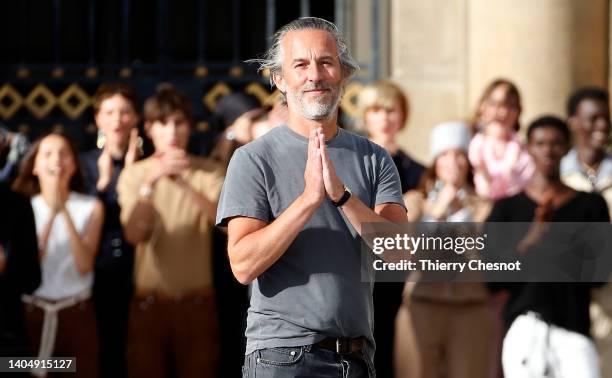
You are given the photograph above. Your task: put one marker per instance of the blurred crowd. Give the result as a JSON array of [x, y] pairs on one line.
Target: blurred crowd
[[113, 257]]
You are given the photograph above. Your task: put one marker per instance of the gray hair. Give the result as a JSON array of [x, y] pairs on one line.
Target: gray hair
[[273, 61]]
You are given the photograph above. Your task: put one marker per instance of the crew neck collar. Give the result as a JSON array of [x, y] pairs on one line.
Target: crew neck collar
[[303, 139]]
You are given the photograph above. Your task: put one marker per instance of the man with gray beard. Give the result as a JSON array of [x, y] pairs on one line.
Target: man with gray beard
[[294, 202]]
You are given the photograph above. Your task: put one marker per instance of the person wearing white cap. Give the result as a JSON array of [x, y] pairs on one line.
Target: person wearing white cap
[[437, 319]]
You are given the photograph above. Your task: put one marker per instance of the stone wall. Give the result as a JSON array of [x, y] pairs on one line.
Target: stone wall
[[444, 52]]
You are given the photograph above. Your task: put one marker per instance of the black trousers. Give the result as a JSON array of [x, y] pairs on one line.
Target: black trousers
[[111, 304], [387, 300], [232, 304]]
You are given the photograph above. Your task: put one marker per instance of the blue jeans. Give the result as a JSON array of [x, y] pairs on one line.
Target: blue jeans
[[305, 361]]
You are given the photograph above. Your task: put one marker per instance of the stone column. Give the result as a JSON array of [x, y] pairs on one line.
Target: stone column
[[547, 47], [429, 60]]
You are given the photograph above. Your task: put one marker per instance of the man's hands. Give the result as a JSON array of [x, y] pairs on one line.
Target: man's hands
[[314, 187], [133, 152], [320, 177], [170, 163], [333, 185]]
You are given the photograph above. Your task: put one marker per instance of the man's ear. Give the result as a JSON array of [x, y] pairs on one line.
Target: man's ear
[[279, 82], [343, 83]]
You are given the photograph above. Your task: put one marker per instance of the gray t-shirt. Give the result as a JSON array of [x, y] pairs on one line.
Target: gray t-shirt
[[315, 289]]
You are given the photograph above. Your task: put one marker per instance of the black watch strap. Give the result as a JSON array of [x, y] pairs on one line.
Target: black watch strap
[[345, 197]]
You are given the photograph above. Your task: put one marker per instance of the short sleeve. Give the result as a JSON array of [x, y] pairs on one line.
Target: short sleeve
[[388, 186], [244, 192], [214, 182]]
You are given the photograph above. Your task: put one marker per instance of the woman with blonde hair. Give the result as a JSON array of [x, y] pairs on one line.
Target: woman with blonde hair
[[383, 110]]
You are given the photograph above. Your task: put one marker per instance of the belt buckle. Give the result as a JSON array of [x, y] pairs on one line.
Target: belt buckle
[[343, 345]]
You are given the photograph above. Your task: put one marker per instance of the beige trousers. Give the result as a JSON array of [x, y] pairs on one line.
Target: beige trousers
[[439, 339]]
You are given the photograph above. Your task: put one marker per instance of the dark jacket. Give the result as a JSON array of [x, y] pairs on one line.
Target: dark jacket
[[21, 273], [115, 258]]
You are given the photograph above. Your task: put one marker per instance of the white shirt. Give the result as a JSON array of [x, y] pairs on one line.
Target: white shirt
[[60, 276]]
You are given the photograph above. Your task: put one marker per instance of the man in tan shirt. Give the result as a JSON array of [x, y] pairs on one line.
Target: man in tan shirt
[[168, 205]]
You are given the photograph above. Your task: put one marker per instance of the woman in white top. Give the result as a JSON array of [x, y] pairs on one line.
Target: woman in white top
[[60, 315]]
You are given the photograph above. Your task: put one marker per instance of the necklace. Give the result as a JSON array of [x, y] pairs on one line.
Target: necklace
[[591, 173]]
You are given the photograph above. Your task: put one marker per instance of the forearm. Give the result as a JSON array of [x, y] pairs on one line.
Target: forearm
[[393, 215], [206, 206], [102, 184], [358, 213], [83, 256], [254, 253], [44, 236], [141, 222]]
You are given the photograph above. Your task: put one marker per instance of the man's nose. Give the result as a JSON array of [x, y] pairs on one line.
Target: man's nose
[[314, 73], [172, 127], [547, 149]]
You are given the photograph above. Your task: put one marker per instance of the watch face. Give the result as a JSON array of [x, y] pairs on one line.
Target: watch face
[[145, 191]]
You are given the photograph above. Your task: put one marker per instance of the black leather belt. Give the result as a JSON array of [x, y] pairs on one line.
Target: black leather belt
[[342, 345]]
